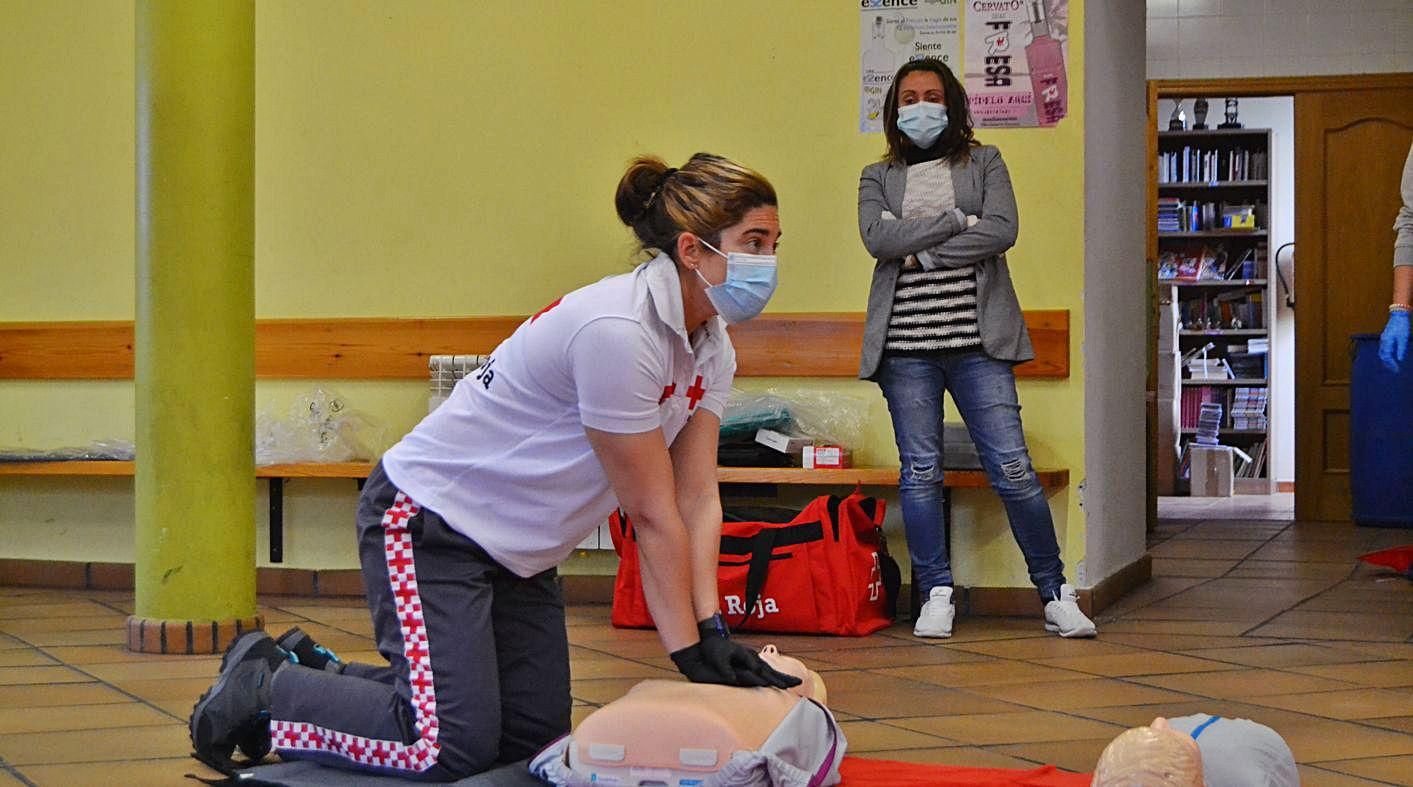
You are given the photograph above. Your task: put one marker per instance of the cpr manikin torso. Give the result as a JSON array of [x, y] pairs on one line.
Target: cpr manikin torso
[[670, 733]]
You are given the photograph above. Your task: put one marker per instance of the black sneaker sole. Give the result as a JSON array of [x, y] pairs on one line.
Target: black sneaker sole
[[206, 750]]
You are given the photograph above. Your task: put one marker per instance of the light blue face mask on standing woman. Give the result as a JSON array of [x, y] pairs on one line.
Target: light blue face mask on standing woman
[[923, 122], [750, 281]]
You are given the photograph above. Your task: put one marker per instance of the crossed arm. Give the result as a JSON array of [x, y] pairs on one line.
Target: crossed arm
[[945, 241]]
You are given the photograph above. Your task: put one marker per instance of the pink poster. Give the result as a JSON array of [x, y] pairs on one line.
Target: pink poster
[[1015, 62]]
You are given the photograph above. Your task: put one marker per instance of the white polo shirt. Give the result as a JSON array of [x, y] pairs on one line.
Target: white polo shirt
[[505, 460]]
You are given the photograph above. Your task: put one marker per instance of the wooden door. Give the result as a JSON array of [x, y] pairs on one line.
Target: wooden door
[[1349, 151]]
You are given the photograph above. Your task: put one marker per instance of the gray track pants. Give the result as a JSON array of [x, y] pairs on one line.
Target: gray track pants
[[479, 658]]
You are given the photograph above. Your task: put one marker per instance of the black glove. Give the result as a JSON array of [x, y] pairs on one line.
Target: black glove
[[717, 659]]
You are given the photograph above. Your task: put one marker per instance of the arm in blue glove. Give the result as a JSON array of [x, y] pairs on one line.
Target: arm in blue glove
[[1393, 342]]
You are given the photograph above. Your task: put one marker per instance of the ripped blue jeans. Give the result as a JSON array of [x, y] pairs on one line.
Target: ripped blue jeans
[[984, 390]]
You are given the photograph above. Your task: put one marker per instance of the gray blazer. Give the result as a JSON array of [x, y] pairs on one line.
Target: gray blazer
[[983, 189]]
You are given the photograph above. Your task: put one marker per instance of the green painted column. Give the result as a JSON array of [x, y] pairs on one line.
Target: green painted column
[[195, 327]]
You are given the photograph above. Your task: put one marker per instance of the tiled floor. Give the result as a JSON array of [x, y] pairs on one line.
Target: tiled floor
[[1255, 618]]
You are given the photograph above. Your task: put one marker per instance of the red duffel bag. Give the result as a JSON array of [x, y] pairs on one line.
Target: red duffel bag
[[826, 571]]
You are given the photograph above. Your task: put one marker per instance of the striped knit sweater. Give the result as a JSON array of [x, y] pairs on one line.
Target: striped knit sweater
[[933, 310]]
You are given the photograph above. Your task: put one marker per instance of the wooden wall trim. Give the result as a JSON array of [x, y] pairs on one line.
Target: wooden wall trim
[[804, 344], [1243, 87]]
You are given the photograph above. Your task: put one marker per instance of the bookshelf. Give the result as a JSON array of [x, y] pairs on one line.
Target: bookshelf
[[1216, 297]]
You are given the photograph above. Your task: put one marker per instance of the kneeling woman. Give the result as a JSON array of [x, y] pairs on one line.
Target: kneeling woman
[[610, 396]]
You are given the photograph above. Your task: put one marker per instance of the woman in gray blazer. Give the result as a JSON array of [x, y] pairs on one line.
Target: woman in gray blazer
[[938, 214]]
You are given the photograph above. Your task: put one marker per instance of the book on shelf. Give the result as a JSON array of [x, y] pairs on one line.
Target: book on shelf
[[1209, 261], [1209, 423], [1211, 164], [1179, 215], [1245, 407], [1223, 311]]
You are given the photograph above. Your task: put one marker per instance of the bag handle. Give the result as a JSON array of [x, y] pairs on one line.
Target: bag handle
[[762, 547]]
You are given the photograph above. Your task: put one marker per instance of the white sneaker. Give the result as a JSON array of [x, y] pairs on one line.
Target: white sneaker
[[935, 619], [1064, 617]]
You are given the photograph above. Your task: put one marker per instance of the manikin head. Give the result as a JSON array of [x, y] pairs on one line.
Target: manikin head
[[1151, 756], [811, 685]]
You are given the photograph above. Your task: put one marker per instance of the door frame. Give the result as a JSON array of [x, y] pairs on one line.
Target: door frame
[[1237, 87]]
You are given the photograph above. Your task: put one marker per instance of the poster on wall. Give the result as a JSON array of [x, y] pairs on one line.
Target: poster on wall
[[892, 32], [1016, 52]]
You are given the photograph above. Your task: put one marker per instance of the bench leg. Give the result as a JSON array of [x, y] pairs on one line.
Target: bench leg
[[277, 520]]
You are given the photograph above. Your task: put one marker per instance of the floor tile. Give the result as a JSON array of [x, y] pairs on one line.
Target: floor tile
[[1051, 647], [1216, 628], [1347, 705], [1315, 776], [1205, 549], [82, 717], [62, 609], [1285, 655], [1168, 610], [1124, 664], [1400, 723], [1281, 569], [24, 657], [161, 668], [114, 635], [181, 689], [1072, 755], [1383, 674], [1031, 726], [982, 674], [1319, 740], [29, 676], [28, 628], [1185, 643], [1191, 567], [884, 738], [1241, 684], [19, 697], [904, 656], [169, 771], [873, 696], [1312, 624], [1063, 695], [1393, 770], [22, 749]]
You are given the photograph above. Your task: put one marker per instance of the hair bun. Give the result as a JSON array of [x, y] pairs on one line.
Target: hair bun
[[644, 177]]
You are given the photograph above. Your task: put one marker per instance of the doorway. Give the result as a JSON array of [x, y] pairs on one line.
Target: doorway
[[1345, 132]]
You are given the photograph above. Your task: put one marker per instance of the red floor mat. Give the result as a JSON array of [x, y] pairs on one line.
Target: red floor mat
[[861, 772]]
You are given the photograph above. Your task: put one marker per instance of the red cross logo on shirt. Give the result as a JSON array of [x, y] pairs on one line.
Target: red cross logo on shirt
[[667, 392], [553, 304], [695, 393]]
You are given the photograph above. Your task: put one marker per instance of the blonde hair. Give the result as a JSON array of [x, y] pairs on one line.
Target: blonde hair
[[706, 195], [1146, 757]]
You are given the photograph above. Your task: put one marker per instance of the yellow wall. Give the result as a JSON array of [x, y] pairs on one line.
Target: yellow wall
[[449, 158]]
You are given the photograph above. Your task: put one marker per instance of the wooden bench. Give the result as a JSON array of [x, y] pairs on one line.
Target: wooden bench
[[276, 475], [805, 344]]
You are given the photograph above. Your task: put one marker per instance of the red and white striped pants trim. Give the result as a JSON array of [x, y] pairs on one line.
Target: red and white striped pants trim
[[421, 754]]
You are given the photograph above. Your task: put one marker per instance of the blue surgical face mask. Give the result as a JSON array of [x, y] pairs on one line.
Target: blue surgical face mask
[[750, 281], [923, 122]]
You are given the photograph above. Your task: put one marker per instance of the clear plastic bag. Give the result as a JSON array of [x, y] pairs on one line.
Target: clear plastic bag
[[827, 417], [747, 412], [320, 427], [109, 449], [823, 416]]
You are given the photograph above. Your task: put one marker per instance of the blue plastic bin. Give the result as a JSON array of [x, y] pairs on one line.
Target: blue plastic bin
[[1381, 437]]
